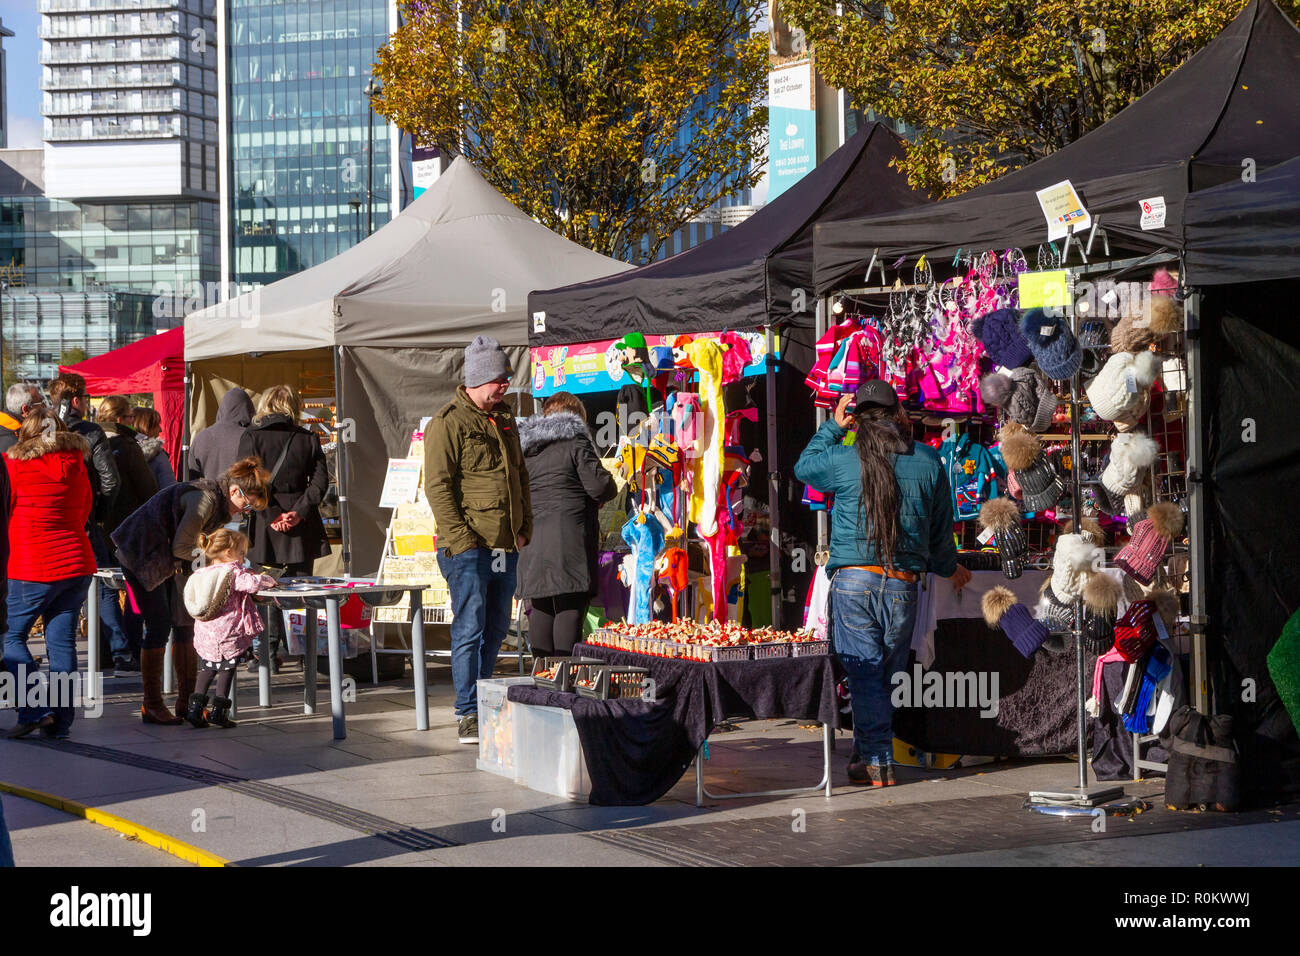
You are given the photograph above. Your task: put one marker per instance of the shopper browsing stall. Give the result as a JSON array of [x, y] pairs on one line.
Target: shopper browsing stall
[[891, 523], [568, 484], [477, 486]]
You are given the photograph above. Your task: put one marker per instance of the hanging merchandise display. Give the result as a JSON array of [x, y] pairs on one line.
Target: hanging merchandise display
[[1002, 610], [1041, 484]]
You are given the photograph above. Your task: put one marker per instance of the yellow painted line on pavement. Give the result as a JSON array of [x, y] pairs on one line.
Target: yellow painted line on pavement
[[177, 848]]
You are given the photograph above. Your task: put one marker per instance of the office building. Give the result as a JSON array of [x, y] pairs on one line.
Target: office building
[[4, 85], [296, 130]]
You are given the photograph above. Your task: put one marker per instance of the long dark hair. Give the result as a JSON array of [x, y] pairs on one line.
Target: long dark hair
[[882, 434]]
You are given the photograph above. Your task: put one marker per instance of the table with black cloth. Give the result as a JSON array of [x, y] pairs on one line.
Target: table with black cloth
[[637, 750]]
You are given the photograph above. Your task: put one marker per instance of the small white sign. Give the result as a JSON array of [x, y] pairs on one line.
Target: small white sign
[[986, 536], [401, 482], [539, 321], [1153, 212], [1063, 210]]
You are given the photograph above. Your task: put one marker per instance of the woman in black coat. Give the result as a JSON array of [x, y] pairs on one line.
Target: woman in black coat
[[290, 532], [557, 570]]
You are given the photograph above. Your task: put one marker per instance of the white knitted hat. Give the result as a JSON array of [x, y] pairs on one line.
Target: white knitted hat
[[1109, 392], [1071, 565], [1130, 455]]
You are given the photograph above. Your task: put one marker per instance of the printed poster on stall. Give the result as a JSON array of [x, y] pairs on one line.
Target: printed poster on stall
[[1063, 210], [596, 366]]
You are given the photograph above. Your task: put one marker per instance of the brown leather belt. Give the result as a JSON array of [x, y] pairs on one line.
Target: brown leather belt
[[909, 576]]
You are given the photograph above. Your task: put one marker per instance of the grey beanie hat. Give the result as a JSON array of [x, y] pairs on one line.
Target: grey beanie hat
[[485, 362], [1033, 403]]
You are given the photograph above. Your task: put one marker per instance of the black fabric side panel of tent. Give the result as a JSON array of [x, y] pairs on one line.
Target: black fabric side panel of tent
[[1252, 386], [385, 393], [1246, 230], [745, 277]]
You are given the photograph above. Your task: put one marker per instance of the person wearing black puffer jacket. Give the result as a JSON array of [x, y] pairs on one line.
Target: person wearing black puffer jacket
[[70, 402], [557, 570]]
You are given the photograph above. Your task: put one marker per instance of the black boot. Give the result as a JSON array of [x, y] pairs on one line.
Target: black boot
[[216, 714], [195, 715]]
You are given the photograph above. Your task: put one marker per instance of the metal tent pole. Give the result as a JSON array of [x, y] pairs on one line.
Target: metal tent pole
[[773, 481], [341, 462], [1196, 530], [823, 528]]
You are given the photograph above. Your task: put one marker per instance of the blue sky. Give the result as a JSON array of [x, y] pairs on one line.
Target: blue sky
[[23, 80]]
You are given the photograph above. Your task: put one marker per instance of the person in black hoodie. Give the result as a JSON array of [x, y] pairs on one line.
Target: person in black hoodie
[[290, 532], [215, 448], [557, 570]]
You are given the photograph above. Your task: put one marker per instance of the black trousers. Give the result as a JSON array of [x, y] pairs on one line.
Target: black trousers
[[555, 624]]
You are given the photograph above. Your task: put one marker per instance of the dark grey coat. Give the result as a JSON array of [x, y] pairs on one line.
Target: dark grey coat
[[568, 485]]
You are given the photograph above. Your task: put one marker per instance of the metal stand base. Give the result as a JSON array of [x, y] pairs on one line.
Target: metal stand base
[[1079, 797]]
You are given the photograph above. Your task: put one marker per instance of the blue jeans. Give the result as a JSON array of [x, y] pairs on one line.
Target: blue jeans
[[872, 617], [120, 643], [482, 586], [59, 603]]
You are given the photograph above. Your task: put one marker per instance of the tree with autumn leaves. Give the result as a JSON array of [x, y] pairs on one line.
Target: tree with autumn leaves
[[988, 86], [607, 122]]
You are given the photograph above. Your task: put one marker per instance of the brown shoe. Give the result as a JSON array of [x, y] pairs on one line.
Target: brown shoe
[[152, 710]]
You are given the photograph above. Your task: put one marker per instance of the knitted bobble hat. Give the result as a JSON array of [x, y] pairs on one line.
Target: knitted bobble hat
[[1101, 605], [1054, 346], [1131, 454], [1002, 518], [999, 333], [1024, 394], [1072, 562], [1002, 610], [1121, 385], [1151, 538], [485, 362]]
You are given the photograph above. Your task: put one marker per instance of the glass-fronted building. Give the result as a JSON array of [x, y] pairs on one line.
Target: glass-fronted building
[[40, 324], [295, 133], [145, 246]]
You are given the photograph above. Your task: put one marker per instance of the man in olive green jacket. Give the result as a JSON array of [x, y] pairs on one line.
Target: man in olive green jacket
[[477, 486]]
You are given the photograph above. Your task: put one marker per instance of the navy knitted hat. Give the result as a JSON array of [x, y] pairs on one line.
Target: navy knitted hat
[[1053, 345], [1001, 609], [999, 333]]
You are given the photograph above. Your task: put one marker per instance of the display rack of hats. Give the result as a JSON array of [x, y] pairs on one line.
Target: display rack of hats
[[968, 328]]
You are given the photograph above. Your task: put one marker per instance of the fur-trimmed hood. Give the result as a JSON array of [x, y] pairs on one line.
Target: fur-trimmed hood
[[150, 446], [41, 445], [538, 431]]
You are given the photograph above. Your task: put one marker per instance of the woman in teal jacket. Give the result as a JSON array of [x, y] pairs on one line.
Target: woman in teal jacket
[[891, 523]]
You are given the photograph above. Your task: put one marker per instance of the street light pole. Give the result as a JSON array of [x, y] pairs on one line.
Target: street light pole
[[373, 89]]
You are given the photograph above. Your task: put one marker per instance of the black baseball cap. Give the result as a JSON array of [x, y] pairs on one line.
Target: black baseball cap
[[875, 392]]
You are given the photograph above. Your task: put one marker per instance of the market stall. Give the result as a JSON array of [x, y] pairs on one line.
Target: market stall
[[1111, 238], [750, 287], [154, 366], [379, 330]]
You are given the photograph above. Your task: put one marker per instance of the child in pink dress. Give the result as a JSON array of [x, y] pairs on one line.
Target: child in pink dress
[[222, 640]]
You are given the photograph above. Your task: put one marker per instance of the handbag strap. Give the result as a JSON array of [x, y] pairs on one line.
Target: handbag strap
[[279, 462]]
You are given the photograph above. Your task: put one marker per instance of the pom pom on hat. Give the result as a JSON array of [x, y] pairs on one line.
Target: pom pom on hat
[[1019, 448], [995, 603], [998, 514], [1101, 595], [997, 389]]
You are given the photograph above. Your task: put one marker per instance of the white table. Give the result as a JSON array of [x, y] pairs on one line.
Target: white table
[[313, 593]]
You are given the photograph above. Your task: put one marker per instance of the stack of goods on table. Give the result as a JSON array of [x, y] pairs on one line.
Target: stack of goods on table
[[686, 640]]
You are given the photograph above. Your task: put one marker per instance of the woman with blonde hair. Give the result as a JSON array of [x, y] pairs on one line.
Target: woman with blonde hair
[[159, 543], [290, 533], [50, 559]]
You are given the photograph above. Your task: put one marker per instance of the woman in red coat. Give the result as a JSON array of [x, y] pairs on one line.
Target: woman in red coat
[[50, 562]]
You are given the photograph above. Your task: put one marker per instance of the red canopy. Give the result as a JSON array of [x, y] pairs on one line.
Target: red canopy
[[156, 365]]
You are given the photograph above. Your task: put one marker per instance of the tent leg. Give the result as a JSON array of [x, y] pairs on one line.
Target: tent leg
[[1196, 530], [773, 482], [341, 458], [823, 529]]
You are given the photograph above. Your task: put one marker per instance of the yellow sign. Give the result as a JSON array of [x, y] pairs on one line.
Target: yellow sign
[[1043, 290]]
